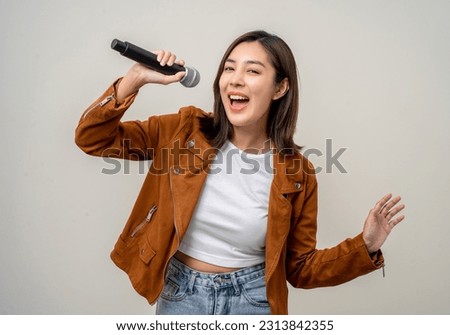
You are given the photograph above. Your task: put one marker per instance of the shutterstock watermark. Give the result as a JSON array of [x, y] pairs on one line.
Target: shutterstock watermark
[[331, 157], [192, 160]]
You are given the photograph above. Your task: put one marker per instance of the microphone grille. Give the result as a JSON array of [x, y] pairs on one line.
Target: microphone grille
[[191, 78]]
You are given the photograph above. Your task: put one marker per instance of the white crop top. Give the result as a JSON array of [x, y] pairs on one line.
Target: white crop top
[[229, 225]]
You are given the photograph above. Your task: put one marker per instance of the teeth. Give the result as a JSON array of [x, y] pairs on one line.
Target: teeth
[[238, 97]]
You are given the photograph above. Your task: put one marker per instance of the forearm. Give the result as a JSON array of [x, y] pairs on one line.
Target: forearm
[[329, 267], [130, 83], [100, 131]]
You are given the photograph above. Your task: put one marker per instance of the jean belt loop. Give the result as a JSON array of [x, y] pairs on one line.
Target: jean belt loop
[[234, 280], [190, 288]]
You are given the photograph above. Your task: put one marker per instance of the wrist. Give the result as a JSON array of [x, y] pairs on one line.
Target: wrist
[[371, 250], [129, 85]]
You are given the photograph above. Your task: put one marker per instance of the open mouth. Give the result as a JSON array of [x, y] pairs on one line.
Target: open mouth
[[238, 101]]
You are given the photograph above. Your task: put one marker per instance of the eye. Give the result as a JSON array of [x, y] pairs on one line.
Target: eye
[[228, 69], [253, 71]]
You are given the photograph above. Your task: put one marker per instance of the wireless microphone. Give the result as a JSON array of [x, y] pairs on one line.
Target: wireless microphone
[[133, 52]]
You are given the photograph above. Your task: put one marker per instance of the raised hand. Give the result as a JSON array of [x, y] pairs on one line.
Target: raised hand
[[139, 75], [381, 220]]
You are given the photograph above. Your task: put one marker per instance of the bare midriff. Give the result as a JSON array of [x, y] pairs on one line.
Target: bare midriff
[[201, 266]]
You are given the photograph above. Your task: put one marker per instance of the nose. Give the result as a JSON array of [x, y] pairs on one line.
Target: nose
[[237, 78]]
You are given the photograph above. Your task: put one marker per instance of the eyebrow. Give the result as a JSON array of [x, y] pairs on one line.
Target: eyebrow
[[250, 61]]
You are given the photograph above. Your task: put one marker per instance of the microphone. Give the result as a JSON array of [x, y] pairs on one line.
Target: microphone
[[133, 52]]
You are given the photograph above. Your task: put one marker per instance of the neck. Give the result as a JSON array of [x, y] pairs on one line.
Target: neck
[[251, 142]]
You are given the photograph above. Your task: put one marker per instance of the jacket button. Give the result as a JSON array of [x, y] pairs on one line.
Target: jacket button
[[176, 171], [297, 186], [191, 144]]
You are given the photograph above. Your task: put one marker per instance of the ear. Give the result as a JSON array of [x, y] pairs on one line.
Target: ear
[[281, 89]]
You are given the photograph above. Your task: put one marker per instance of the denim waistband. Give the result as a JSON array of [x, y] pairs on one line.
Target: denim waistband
[[219, 280]]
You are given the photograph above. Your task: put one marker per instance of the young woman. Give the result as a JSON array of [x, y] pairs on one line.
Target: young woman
[[228, 211]]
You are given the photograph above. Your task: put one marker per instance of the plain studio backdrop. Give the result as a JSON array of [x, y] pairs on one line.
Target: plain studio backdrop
[[375, 86]]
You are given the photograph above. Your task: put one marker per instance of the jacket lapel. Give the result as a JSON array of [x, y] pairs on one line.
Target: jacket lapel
[[191, 162], [287, 180]]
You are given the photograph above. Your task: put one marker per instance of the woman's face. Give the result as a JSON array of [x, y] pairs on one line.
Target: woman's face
[[247, 86]]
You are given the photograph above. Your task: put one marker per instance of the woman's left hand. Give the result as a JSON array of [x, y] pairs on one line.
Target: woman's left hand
[[380, 221]]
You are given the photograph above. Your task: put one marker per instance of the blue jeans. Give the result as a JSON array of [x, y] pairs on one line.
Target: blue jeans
[[187, 291]]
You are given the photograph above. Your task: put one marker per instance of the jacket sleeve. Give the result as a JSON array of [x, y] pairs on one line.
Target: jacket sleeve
[[100, 131], [309, 267]]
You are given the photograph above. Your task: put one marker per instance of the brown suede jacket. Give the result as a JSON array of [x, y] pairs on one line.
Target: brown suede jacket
[[161, 214]]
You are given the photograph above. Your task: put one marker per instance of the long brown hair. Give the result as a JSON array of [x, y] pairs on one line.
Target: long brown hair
[[283, 112]]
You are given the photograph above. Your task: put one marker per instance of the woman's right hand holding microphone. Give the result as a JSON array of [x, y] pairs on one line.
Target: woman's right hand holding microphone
[[139, 75]]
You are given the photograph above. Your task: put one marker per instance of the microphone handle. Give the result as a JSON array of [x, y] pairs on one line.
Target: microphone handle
[[144, 57]]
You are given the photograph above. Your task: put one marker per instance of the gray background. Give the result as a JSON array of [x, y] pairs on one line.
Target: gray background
[[375, 80]]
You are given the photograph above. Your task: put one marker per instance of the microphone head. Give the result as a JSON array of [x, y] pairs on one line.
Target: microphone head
[[191, 78]]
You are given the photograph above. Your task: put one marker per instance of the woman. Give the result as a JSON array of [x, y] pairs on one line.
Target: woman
[[228, 211]]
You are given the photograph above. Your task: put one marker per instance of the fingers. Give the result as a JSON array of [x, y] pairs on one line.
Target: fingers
[[174, 78], [388, 207], [167, 58], [381, 203], [392, 219], [384, 205], [396, 221]]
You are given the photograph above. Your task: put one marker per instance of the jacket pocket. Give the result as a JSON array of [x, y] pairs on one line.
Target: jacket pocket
[[146, 253], [145, 222]]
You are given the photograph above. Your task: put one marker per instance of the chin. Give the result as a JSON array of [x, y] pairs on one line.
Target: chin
[[238, 120]]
